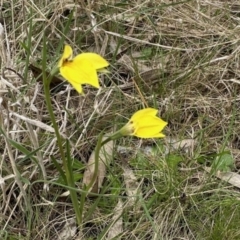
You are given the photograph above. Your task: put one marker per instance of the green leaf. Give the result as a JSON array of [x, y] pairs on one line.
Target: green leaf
[[223, 162], [173, 160]]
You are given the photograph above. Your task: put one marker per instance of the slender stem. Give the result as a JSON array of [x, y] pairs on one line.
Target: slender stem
[[71, 183], [100, 144], [95, 173], [69, 179], [96, 163], [46, 84]]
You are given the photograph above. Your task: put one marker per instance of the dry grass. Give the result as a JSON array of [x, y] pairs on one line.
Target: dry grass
[[182, 58]]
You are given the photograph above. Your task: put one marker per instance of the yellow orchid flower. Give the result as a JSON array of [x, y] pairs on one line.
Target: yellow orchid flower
[[81, 69], [144, 124]]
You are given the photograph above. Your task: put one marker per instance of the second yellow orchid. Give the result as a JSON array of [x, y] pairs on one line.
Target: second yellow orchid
[[144, 124], [81, 69]]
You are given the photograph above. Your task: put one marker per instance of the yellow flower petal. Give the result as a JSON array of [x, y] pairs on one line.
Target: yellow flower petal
[[144, 112], [150, 130], [145, 124], [77, 86], [149, 126], [67, 55], [82, 73], [82, 69], [144, 135], [96, 60]]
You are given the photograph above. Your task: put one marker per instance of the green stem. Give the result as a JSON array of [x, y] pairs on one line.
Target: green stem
[[98, 147], [96, 162], [70, 181], [95, 173], [100, 144]]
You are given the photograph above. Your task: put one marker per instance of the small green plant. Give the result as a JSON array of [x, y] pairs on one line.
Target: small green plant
[[223, 162], [79, 70]]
